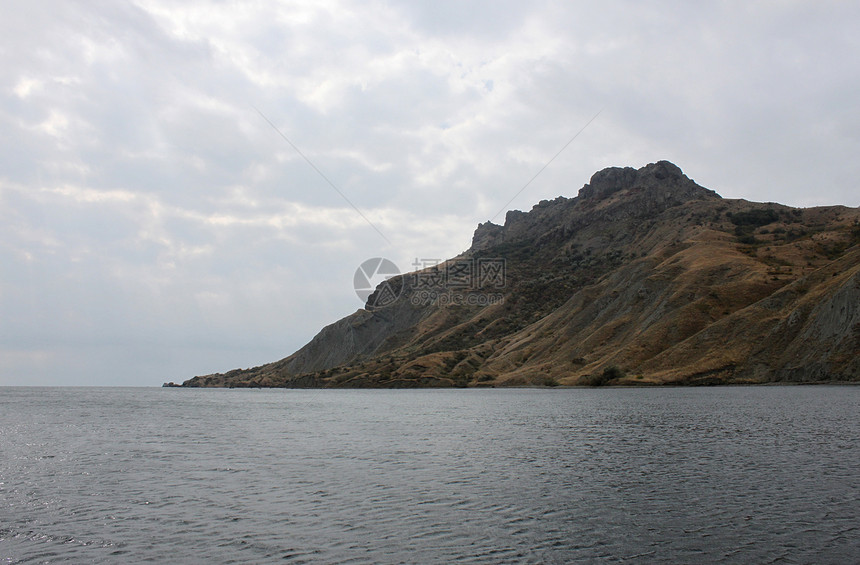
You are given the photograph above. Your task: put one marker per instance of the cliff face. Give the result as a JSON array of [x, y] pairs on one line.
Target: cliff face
[[644, 277]]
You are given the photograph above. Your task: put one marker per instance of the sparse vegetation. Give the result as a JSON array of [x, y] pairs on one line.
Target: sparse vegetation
[[794, 235], [754, 217], [609, 373], [835, 250]]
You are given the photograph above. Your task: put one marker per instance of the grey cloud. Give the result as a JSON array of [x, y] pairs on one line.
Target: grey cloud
[[150, 219]]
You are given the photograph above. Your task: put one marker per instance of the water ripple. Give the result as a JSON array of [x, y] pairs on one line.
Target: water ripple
[[728, 475]]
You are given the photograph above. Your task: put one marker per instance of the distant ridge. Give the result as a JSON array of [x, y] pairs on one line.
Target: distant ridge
[[644, 277]]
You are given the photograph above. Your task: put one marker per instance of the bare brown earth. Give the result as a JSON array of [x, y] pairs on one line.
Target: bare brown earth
[[644, 278]]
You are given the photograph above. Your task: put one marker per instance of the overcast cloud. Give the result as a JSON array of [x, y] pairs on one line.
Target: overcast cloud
[[154, 226]]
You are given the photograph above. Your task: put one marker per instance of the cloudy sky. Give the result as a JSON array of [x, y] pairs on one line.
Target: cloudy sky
[[156, 223]]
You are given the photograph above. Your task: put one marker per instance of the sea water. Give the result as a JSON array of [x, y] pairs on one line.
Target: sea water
[[662, 475]]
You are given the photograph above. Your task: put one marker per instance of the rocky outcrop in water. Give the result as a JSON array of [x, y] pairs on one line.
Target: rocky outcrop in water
[[644, 277]]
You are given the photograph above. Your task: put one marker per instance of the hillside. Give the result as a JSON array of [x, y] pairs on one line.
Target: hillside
[[645, 277]]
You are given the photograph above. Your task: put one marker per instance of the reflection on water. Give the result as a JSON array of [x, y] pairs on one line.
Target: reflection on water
[[721, 475]]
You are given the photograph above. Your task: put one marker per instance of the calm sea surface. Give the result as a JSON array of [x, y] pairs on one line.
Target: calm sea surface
[[679, 475]]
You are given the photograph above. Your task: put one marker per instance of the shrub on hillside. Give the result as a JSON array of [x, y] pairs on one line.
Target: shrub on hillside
[[609, 373], [754, 217]]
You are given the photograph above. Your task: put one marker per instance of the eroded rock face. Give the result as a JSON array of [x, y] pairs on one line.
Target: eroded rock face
[[837, 316], [828, 345], [644, 272], [487, 235], [612, 194], [654, 187], [357, 336], [607, 182]]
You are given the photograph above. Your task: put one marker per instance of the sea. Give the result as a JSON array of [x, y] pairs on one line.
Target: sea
[[767, 474]]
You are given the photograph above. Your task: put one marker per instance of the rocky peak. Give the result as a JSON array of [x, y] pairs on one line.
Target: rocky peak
[[663, 179], [607, 182], [641, 192], [487, 235]]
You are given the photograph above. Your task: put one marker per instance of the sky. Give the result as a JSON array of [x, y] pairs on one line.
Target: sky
[[189, 187]]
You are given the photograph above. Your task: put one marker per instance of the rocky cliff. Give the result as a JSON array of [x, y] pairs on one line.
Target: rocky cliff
[[644, 277]]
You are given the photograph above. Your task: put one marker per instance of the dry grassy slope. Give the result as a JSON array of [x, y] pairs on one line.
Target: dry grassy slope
[[645, 274], [707, 314], [712, 311]]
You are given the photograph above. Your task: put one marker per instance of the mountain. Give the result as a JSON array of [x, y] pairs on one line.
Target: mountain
[[645, 277]]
